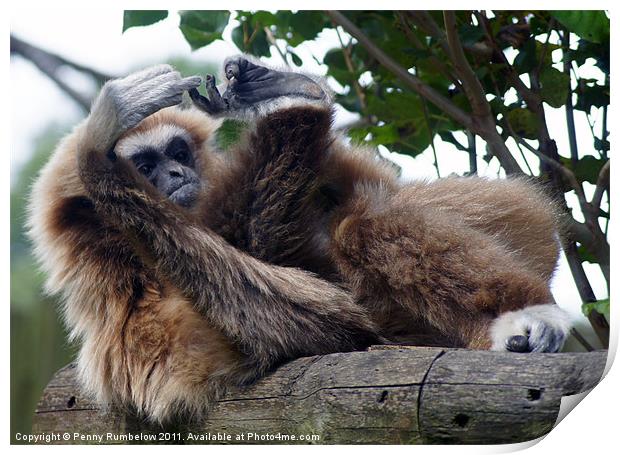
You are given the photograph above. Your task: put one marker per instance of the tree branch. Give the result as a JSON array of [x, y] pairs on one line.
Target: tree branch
[[484, 127], [471, 84], [570, 116], [346, 53], [602, 185], [50, 64], [597, 320], [413, 39], [424, 90], [274, 43], [425, 22], [531, 98]]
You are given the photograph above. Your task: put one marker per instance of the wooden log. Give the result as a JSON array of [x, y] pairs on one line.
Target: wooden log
[[386, 395]]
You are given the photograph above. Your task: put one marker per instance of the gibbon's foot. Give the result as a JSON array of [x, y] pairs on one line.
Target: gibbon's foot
[[214, 104], [539, 328], [251, 85]]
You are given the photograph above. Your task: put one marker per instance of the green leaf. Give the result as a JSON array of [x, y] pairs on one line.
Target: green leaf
[[589, 96], [337, 67], [600, 145], [308, 24], [296, 60], [385, 134], [448, 136], [524, 122], [585, 255], [470, 34], [526, 60], [229, 133], [589, 25], [600, 306], [588, 168], [250, 35], [554, 86], [396, 106], [139, 18], [203, 27]]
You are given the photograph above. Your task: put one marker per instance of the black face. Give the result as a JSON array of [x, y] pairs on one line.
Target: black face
[[172, 170]]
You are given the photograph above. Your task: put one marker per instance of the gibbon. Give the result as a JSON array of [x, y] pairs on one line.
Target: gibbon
[[183, 270]]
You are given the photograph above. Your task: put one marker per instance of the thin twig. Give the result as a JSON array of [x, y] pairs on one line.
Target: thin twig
[[570, 115], [579, 337], [558, 167], [531, 98], [471, 150], [426, 23], [545, 47], [604, 131], [346, 52], [431, 136], [274, 43]]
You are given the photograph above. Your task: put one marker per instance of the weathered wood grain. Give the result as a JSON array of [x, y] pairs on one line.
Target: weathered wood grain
[[386, 395]]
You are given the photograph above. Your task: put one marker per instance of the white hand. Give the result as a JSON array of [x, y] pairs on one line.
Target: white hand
[[123, 103]]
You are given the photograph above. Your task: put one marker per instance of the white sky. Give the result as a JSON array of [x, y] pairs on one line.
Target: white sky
[[94, 38]]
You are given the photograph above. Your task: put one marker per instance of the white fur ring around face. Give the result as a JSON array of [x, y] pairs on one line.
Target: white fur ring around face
[[538, 328]]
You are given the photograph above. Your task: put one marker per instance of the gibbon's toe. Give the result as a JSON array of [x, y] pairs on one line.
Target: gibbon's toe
[[518, 343], [537, 328]]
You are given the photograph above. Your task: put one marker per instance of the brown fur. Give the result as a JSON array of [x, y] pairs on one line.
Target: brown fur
[[144, 344], [455, 253], [167, 312]]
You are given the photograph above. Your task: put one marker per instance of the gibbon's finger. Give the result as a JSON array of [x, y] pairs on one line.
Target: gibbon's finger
[[545, 338], [165, 85], [188, 83], [148, 73], [214, 94], [200, 101]]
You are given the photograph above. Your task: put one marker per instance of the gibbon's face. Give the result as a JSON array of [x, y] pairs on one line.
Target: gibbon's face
[[165, 156]]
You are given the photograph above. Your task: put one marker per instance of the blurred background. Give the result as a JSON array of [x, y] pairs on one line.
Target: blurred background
[[544, 77]]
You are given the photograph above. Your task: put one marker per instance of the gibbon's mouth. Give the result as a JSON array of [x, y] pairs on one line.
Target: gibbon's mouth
[[185, 195]]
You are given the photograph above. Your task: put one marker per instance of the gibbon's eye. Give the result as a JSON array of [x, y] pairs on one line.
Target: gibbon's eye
[[181, 156], [179, 150], [145, 169]]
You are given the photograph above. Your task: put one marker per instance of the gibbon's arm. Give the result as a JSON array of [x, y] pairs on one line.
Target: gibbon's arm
[[281, 218], [272, 313]]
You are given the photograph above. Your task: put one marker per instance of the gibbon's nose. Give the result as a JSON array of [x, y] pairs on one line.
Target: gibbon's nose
[[175, 171]]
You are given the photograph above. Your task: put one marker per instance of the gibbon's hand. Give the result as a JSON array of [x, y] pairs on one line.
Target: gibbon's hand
[[251, 85], [133, 98], [538, 328]]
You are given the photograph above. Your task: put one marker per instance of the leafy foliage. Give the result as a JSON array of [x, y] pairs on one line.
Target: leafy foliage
[[203, 27], [600, 306], [139, 18], [590, 25]]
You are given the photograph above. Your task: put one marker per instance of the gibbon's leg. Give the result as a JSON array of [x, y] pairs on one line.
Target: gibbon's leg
[[272, 313], [459, 279], [516, 211]]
